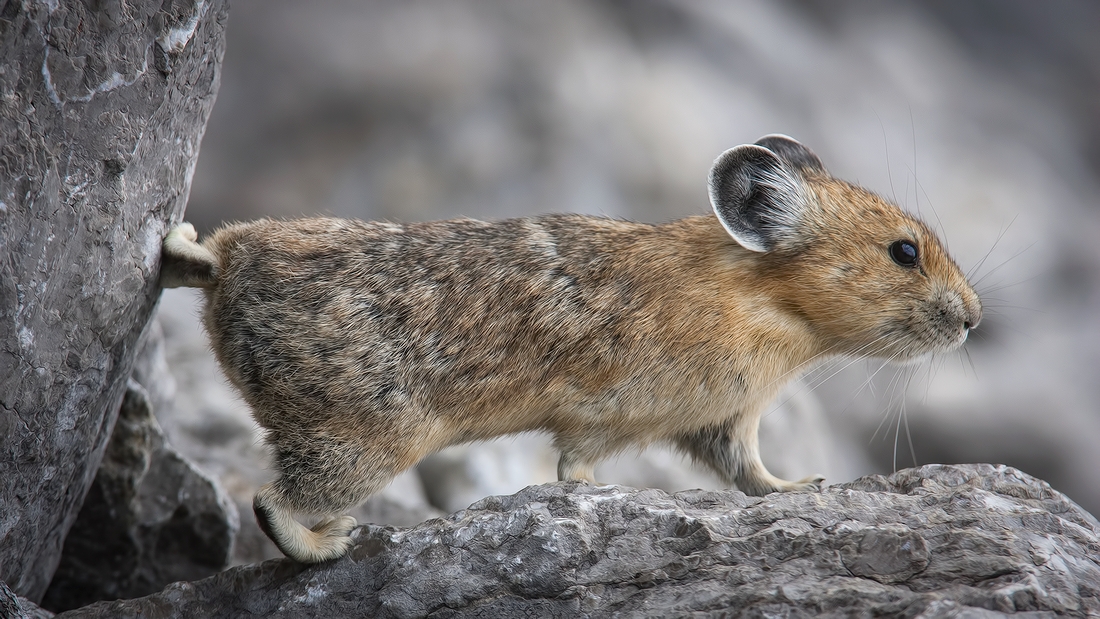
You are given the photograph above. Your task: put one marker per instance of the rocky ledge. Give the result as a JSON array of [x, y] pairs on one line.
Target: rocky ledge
[[936, 541]]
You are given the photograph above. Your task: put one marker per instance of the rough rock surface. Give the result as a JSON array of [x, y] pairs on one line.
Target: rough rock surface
[[102, 107], [150, 518], [14, 607], [938, 541]]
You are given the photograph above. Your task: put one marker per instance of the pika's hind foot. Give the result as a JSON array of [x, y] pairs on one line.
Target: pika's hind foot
[[185, 262], [328, 539], [813, 483], [335, 527]]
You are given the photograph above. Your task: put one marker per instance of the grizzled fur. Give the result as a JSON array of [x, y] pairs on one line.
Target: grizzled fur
[[363, 347]]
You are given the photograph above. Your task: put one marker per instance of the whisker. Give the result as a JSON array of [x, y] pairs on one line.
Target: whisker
[[854, 359], [1000, 235], [889, 406], [899, 401], [885, 417], [971, 361], [1018, 307], [918, 187], [831, 350], [808, 384], [897, 433], [886, 147], [811, 388], [916, 195], [867, 382], [933, 369], [998, 267], [908, 433], [982, 292]]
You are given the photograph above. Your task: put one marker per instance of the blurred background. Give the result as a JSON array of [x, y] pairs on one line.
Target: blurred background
[[983, 117]]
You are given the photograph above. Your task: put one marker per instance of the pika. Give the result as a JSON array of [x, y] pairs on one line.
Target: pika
[[363, 347]]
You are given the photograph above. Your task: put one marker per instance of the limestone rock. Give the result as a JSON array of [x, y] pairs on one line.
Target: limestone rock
[[151, 518], [938, 541], [14, 607], [102, 108]]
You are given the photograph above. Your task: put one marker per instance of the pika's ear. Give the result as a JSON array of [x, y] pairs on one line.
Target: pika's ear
[[793, 152], [758, 198]]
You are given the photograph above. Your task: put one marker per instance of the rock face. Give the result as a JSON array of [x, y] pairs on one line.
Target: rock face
[[15, 607], [150, 518], [102, 107], [938, 541]]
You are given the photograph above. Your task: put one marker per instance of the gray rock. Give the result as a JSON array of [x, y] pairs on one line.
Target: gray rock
[[102, 107], [938, 541], [151, 518], [151, 369], [14, 607]]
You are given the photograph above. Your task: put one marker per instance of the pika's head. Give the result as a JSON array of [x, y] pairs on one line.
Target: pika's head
[[870, 279]]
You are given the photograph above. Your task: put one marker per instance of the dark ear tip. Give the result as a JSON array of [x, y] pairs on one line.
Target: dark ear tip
[[745, 153], [793, 152], [777, 137]]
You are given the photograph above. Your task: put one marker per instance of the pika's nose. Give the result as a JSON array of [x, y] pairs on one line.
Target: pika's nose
[[973, 311]]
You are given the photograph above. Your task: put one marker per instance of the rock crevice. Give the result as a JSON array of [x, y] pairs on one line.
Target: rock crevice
[[151, 517]]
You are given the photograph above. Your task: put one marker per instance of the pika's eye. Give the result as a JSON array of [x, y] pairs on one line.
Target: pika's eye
[[904, 253]]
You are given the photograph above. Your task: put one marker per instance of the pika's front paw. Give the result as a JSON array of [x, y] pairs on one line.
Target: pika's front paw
[[813, 482]]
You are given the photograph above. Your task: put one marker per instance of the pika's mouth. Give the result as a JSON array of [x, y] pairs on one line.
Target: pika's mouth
[[941, 324], [912, 344], [956, 336], [963, 336]]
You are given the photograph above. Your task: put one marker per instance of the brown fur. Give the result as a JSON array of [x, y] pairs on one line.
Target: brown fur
[[363, 347]]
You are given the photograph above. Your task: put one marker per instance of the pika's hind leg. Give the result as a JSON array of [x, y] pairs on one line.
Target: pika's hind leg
[[319, 476], [732, 451]]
